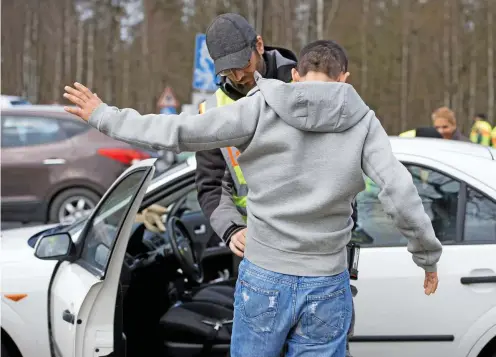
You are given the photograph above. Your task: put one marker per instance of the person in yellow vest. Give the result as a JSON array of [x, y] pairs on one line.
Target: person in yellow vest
[[493, 137], [481, 130]]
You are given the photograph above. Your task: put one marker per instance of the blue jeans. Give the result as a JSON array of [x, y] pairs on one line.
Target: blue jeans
[[311, 314]]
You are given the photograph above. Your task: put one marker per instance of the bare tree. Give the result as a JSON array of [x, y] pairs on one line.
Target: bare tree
[[490, 61], [251, 12], [455, 62], [364, 54], [67, 38], [446, 53], [404, 64], [260, 16], [26, 55], [90, 57], [320, 19], [79, 49]]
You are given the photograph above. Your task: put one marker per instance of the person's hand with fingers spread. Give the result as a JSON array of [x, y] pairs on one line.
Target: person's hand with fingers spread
[[237, 243], [83, 98], [430, 283]]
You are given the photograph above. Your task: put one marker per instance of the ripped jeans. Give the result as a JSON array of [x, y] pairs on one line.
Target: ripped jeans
[[311, 315]]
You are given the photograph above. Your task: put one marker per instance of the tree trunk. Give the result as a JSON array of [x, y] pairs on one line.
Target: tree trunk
[[330, 16], [446, 55], [26, 55], [404, 65], [251, 13], [34, 75], [320, 19], [288, 22], [79, 50], [260, 17], [364, 56], [490, 62], [455, 65], [56, 90], [91, 52], [67, 39]]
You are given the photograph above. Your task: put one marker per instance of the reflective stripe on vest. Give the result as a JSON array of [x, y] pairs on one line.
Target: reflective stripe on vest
[[230, 155]]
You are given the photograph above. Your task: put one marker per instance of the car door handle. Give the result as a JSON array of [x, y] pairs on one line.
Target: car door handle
[[488, 279], [201, 229], [67, 316], [53, 161]]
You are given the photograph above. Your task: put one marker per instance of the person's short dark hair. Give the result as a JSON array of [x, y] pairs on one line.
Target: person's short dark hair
[[481, 116], [323, 56]]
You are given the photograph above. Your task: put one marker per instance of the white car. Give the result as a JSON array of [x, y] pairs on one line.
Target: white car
[[106, 286]]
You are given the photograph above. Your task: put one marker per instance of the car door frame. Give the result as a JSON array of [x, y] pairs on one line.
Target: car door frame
[[97, 308], [466, 181]]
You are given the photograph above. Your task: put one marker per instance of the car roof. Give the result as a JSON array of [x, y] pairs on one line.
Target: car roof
[[432, 147], [57, 110]]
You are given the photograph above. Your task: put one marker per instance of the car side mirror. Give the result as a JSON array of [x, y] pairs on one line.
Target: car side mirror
[[58, 246]]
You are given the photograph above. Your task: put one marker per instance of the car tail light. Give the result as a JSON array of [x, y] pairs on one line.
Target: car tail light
[[125, 156]]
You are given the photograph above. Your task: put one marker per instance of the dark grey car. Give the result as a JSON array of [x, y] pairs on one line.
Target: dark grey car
[[55, 167]]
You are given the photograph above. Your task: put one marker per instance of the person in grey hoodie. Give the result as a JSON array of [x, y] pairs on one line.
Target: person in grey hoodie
[[309, 141]]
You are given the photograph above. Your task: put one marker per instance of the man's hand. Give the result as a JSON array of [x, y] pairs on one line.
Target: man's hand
[[430, 283], [85, 100], [237, 243]]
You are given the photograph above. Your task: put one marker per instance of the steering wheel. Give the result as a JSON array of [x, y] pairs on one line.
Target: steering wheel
[[182, 246]]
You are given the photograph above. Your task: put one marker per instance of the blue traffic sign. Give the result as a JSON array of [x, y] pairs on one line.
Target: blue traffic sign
[[204, 77]]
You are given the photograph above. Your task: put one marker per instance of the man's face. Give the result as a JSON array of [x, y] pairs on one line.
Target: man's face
[[444, 127], [245, 76]]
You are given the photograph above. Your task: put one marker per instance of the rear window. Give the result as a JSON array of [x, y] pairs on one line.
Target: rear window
[[18, 131]]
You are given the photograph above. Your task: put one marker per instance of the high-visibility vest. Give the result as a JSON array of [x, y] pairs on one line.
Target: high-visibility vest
[[481, 133], [409, 134], [493, 137], [230, 155]]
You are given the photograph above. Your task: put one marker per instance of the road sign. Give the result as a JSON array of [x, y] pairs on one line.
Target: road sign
[[204, 77], [168, 110], [167, 99]]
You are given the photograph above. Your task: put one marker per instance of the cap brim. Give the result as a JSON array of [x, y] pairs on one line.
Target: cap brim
[[233, 60]]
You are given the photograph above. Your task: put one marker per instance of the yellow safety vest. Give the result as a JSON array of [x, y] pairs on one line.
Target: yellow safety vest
[[493, 137], [230, 155], [409, 134], [481, 133]]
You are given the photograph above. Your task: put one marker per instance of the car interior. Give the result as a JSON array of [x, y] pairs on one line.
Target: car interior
[[176, 289]]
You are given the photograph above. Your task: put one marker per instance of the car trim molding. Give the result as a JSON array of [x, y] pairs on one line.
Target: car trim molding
[[403, 338]]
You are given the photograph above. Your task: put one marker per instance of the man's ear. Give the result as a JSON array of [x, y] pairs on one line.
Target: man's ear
[[295, 75], [344, 77], [260, 45]]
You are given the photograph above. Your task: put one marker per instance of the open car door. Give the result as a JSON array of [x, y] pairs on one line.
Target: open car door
[[83, 289]]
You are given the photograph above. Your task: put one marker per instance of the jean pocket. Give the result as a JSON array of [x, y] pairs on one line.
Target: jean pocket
[[326, 315], [258, 306]]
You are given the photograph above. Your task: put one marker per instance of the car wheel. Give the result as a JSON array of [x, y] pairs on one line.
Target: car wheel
[[72, 204]]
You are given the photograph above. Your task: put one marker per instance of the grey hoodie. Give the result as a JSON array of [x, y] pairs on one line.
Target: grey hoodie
[[304, 147]]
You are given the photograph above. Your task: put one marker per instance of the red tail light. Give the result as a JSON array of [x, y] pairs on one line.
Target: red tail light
[[125, 156]]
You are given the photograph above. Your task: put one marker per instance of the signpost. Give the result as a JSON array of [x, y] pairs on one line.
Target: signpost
[[204, 78], [167, 103]]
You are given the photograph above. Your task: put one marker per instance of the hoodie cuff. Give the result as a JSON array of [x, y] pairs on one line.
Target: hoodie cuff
[[430, 268], [232, 230], [97, 116]]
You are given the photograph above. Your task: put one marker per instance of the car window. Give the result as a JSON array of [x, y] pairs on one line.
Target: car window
[[73, 128], [439, 194], [480, 218], [20, 131], [104, 228]]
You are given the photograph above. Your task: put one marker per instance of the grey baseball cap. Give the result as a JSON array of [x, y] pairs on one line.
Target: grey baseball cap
[[229, 41]]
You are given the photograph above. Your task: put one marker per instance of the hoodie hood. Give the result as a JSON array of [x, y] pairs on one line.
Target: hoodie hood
[[313, 106]]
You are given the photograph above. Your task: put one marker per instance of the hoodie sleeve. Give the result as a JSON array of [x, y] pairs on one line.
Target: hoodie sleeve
[[399, 197], [230, 125]]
